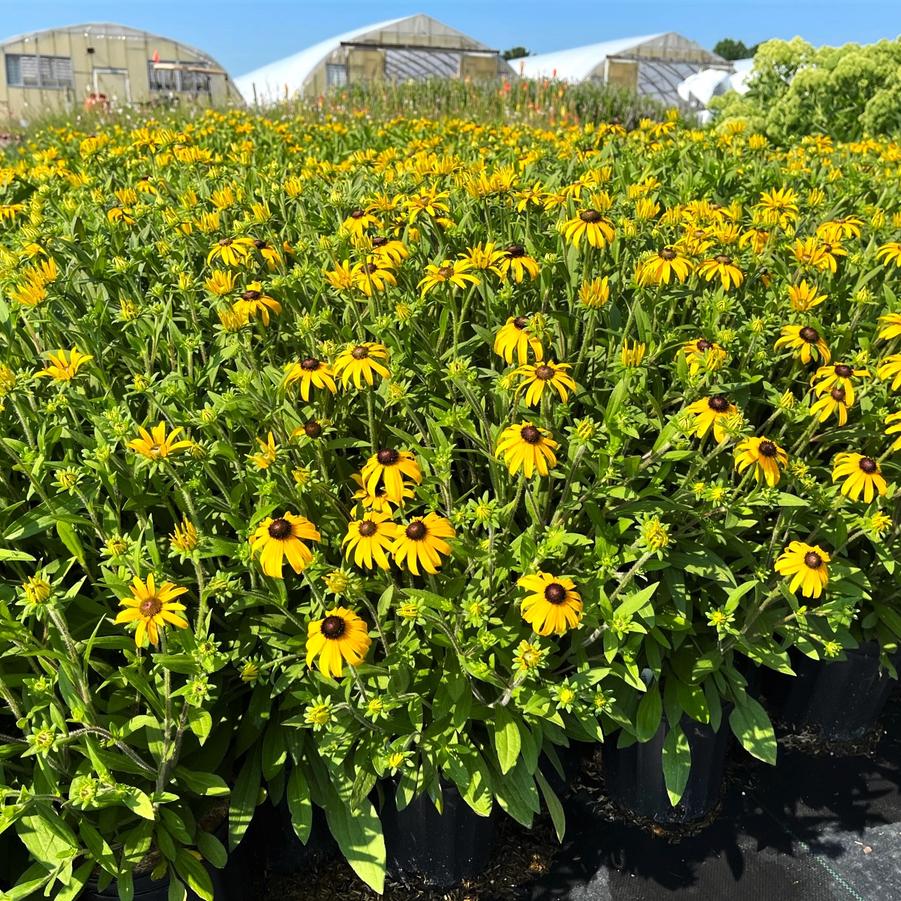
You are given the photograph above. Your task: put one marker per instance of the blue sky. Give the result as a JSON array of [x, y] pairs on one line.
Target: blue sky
[[244, 34]]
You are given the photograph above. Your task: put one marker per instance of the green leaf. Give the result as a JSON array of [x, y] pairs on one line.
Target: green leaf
[[9, 555], [139, 802], [517, 794], [650, 709], [359, 836], [554, 807], [507, 740], [212, 849], [47, 836], [202, 783], [300, 805], [244, 799], [676, 763], [635, 602], [752, 727], [71, 540], [76, 883], [195, 874]]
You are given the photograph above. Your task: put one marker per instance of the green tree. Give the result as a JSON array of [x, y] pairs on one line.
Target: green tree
[[729, 48], [516, 53]]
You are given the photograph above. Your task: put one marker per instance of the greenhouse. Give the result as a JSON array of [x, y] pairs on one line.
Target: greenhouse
[[413, 48], [107, 65], [652, 65]]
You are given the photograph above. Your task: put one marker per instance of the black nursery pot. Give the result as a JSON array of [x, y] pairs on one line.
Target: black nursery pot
[[285, 853], [443, 848], [634, 775], [147, 889], [840, 700]]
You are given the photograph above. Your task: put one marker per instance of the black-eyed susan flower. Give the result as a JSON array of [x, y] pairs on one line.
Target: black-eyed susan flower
[[484, 257], [631, 356], [284, 536], [839, 229], [267, 454], [339, 637], [255, 301], [310, 373], [778, 207], [553, 606], [342, 277], [514, 339], [595, 293], [378, 502], [230, 251], [806, 341], [452, 272], [372, 277], [184, 538], [527, 447], [590, 225], [721, 267], [862, 475], [368, 539], [515, 263], [64, 365], [361, 361], [711, 412], [539, 376], [387, 252], [703, 354], [767, 458], [808, 566], [156, 444], [360, 221], [890, 327], [221, 282], [804, 296], [152, 609], [893, 423], [889, 369], [658, 269], [838, 375], [386, 469], [421, 542], [834, 401], [890, 253]]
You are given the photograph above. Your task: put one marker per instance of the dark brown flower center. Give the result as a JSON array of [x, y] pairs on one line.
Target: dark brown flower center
[[360, 352], [868, 465], [387, 456], [544, 372], [333, 627], [150, 606], [259, 244], [809, 334], [555, 593], [312, 428], [446, 271], [225, 242], [667, 254], [416, 530], [718, 403], [310, 364], [379, 241], [251, 295], [843, 371], [813, 560], [279, 529], [370, 268], [590, 216], [704, 344], [367, 528], [530, 434], [521, 322], [768, 449], [516, 250], [838, 394], [357, 214], [723, 260]]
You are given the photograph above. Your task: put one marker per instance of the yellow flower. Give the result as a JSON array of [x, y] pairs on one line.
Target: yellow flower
[[275, 539], [361, 361], [367, 539], [890, 369], [254, 301], [591, 225], [268, 452], [421, 542], [660, 268], [340, 637], [378, 502], [704, 354], [152, 608], [230, 251], [360, 221], [37, 589], [386, 469], [723, 268], [342, 277], [862, 475], [595, 294], [891, 326], [655, 534], [221, 282], [528, 448], [372, 276], [711, 412], [453, 272], [808, 567], [807, 341], [310, 372], [838, 375], [632, 356], [515, 340], [64, 365], [184, 537], [540, 375], [893, 421], [834, 401], [765, 456], [516, 263], [554, 606], [890, 253], [778, 207], [156, 444], [804, 297]]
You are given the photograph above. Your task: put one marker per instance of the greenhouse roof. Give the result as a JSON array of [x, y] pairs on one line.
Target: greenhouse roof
[[577, 63]]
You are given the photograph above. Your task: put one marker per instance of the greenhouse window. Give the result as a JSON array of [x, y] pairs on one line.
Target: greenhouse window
[[335, 75], [33, 71]]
